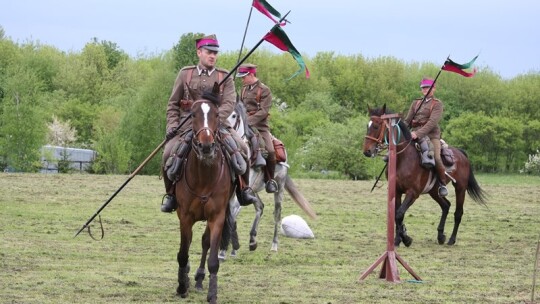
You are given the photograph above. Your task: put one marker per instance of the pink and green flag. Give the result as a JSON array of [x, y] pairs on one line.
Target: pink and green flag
[[277, 37], [451, 66], [265, 8]]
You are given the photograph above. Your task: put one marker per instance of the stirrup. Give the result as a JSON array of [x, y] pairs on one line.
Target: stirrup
[[168, 203], [271, 186], [443, 191]]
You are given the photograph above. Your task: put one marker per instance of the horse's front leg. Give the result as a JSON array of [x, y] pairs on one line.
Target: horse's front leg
[[259, 208], [278, 199], [400, 216], [199, 275], [186, 234], [216, 228]]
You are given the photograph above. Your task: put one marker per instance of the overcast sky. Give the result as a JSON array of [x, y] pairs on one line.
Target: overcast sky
[[505, 33]]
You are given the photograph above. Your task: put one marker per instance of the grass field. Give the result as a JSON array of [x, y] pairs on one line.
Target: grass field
[[41, 262]]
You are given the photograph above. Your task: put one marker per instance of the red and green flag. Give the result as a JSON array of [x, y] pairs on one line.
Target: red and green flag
[[277, 37], [452, 66], [264, 7]]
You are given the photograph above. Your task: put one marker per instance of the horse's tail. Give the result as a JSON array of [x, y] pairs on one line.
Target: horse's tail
[[298, 198], [473, 188]]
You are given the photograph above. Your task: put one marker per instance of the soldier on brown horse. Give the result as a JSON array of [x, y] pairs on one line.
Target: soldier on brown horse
[[412, 179]]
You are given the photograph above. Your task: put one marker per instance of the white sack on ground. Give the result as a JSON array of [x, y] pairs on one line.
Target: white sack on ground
[[294, 226]]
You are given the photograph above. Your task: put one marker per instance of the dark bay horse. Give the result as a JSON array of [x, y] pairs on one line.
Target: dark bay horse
[[238, 119], [413, 180], [203, 194]]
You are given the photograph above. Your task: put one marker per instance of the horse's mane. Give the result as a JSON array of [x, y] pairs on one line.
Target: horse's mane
[[211, 96], [382, 111], [240, 109]]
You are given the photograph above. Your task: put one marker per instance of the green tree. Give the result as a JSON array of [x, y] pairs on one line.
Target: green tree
[[114, 151], [337, 147], [22, 124], [185, 51], [144, 122], [113, 53]]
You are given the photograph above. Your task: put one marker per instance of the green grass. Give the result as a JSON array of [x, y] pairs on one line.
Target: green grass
[[41, 262]]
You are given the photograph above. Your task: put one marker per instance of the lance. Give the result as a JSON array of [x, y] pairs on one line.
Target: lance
[[245, 33], [131, 176], [415, 112], [156, 150]]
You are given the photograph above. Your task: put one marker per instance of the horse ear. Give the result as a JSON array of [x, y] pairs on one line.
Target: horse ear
[[384, 109], [368, 109]]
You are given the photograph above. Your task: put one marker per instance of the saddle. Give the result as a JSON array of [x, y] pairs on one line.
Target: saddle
[[447, 155], [231, 149], [258, 149]]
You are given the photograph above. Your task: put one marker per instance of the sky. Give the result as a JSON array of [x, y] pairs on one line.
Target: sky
[[504, 33]]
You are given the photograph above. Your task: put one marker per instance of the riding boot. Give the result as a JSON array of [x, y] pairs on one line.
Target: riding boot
[[428, 161], [248, 196], [441, 172], [168, 203], [271, 185]]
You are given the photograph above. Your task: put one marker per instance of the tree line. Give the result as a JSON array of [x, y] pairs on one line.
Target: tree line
[[102, 99]]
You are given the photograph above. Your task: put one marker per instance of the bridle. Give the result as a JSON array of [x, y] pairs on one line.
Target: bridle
[[195, 141], [380, 140], [195, 144]]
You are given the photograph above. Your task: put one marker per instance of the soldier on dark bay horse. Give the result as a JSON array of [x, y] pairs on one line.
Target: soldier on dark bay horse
[[199, 79], [413, 179]]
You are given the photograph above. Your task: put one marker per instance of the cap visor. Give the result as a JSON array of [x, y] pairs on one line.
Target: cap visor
[[211, 48], [241, 74]]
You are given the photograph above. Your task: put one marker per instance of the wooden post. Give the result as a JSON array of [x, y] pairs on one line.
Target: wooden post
[[389, 270]]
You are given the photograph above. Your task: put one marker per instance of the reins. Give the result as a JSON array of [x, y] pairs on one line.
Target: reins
[[204, 198], [381, 139]]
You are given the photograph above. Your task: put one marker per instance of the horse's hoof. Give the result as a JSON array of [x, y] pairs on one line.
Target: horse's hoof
[[182, 293], [441, 239], [222, 255], [274, 247], [451, 242], [234, 254], [252, 246], [407, 241]]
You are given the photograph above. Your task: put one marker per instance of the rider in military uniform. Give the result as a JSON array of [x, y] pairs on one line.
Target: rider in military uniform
[[424, 121], [258, 101], [200, 78]]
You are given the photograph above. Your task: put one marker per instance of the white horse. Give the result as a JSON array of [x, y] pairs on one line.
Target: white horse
[[238, 121]]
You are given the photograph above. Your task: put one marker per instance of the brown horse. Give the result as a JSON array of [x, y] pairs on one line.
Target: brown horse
[[203, 194], [413, 180]]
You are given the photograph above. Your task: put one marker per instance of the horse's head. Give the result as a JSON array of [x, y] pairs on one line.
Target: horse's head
[[238, 119], [205, 124], [377, 128], [374, 139]]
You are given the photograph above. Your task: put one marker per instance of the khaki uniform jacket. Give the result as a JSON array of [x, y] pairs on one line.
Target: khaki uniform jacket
[[426, 121], [258, 110], [199, 82]]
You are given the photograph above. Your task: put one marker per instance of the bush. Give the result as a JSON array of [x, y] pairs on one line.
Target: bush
[[532, 166]]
